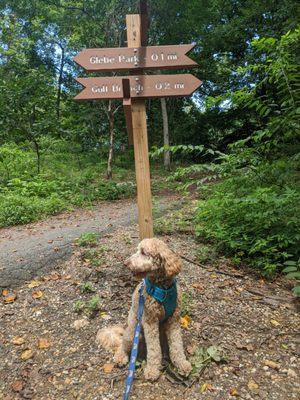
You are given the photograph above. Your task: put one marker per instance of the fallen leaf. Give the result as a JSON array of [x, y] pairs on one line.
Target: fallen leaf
[[43, 344], [274, 322], [54, 277], [214, 276], [244, 346], [272, 364], [205, 387], [10, 298], [107, 368], [198, 286], [17, 386], [253, 386], [18, 341], [26, 354], [233, 392], [33, 284], [185, 321], [5, 292], [38, 294]]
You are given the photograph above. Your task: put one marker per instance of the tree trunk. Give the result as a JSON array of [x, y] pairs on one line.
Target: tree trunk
[[38, 155], [167, 161], [111, 140], [59, 83]]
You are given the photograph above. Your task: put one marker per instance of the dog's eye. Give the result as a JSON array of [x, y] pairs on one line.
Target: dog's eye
[[143, 252]]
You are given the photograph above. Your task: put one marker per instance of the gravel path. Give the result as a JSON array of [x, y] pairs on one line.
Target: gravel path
[[48, 329], [30, 250]]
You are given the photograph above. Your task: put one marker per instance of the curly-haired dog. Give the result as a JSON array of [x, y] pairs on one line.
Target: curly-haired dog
[[155, 261]]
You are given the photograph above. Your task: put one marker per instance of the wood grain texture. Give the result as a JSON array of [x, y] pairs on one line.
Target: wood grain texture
[[140, 140], [127, 58], [141, 86]]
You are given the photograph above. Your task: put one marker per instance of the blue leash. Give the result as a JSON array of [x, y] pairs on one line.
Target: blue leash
[[135, 344]]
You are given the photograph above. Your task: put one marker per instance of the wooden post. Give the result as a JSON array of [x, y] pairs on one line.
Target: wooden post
[[140, 141]]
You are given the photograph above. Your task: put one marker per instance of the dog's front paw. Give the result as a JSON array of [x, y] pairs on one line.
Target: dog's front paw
[[185, 368], [121, 358], [151, 373]]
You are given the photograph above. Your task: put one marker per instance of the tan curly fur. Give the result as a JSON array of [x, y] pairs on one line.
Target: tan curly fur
[[155, 260]]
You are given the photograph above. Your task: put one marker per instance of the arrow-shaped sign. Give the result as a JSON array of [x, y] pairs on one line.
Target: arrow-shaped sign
[[125, 58], [142, 86]]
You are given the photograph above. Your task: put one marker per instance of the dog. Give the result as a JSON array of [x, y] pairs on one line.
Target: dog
[[155, 262]]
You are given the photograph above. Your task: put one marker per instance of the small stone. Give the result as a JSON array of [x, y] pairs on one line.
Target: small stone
[[272, 364], [292, 373], [80, 323], [265, 368], [253, 386]]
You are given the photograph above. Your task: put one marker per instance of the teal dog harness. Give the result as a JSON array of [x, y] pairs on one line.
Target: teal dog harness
[[166, 297]]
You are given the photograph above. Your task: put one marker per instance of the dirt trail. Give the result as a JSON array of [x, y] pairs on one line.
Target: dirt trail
[[26, 251], [47, 334]]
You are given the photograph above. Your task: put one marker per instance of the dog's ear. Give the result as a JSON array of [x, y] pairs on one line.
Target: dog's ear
[[171, 262]]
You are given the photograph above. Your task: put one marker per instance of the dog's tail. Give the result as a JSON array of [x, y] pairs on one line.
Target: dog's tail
[[110, 338]]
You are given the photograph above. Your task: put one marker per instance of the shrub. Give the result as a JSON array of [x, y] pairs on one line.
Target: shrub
[[292, 269], [16, 209], [114, 191], [260, 224], [15, 162]]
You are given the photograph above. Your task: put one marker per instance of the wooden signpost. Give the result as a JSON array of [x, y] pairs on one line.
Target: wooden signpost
[[134, 89], [124, 59], [141, 86]]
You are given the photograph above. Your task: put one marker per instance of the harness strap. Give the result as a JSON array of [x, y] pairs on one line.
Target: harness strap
[[135, 344], [166, 297]]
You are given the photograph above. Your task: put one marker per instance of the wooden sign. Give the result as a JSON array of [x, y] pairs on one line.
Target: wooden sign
[[141, 86], [126, 58], [133, 90]]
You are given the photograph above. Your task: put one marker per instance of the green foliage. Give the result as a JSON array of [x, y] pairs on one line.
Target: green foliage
[[15, 162], [205, 356], [259, 224], [207, 253], [93, 304], [66, 179], [185, 306], [92, 256], [88, 239], [89, 307], [114, 191], [181, 219], [87, 287], [292, 269], [79, 306], [250, 205]]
